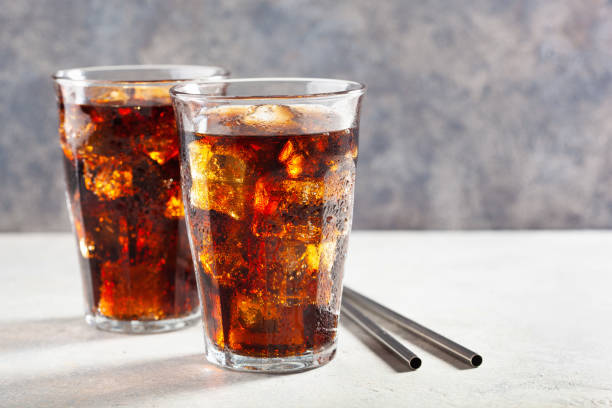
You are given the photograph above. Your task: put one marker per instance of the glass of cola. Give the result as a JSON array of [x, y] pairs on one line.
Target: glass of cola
[[268, 172], [120, 152]]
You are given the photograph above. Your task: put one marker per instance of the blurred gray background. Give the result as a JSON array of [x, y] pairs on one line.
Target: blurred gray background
[[479, 114]]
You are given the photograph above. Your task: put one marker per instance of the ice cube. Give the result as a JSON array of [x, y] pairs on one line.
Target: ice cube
[[288, 209], [269, 115], [279, 119], [207, 261], [224, 166], [288, 267], [319, 118], [149, 93], [312, 256], [300, 156], [294, 161], [227, 198], [219, 178], [198, 195], [256, 314], [200, 153], [107, 177], [225, 261], [218, 120], [327, 253], [249, 315], [295, 272], [218, 163], [286, 152], [75, 129], [340, 181], [301, 192], [319, 282], [272, 194], [108, 95]]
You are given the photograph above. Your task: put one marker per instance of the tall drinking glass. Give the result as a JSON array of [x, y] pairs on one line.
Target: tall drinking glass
[[120, 144], [268, 170]]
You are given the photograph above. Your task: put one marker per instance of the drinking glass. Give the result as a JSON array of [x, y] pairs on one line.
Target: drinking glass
[[120, 152], [268, 170]]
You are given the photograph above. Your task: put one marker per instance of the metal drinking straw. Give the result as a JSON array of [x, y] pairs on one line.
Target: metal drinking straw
[[349, 309], [456, 350]]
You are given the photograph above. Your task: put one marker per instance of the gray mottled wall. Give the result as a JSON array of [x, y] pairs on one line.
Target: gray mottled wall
[[480, 114]]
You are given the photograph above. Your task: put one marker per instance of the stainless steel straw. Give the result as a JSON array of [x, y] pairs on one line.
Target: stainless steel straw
[[349, 309], [456, 350]]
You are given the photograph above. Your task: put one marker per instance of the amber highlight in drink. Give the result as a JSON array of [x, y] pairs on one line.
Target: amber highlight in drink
[[121, 159], [269, 193]]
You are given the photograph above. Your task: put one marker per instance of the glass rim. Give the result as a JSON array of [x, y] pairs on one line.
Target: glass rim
[[76, 75], [355, 88]]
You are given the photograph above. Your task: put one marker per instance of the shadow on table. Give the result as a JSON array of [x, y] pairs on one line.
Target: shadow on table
[[31, 334], [103, 386]]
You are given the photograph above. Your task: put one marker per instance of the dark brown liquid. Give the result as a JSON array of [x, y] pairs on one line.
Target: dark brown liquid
[[269, 217], [122, 173]]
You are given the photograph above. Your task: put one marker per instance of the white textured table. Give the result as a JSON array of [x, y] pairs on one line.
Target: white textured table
[[537, 306]]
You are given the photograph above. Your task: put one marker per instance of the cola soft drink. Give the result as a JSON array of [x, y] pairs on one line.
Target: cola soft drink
[[269, 192], [123, 187]]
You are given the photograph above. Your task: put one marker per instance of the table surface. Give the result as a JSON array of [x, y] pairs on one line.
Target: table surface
[[536, 305]]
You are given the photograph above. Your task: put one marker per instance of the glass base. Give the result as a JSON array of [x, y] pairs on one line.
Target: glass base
[[276, 365], [141, 326]]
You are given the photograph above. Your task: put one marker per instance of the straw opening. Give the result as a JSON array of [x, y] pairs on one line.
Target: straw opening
[[415, 363]]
